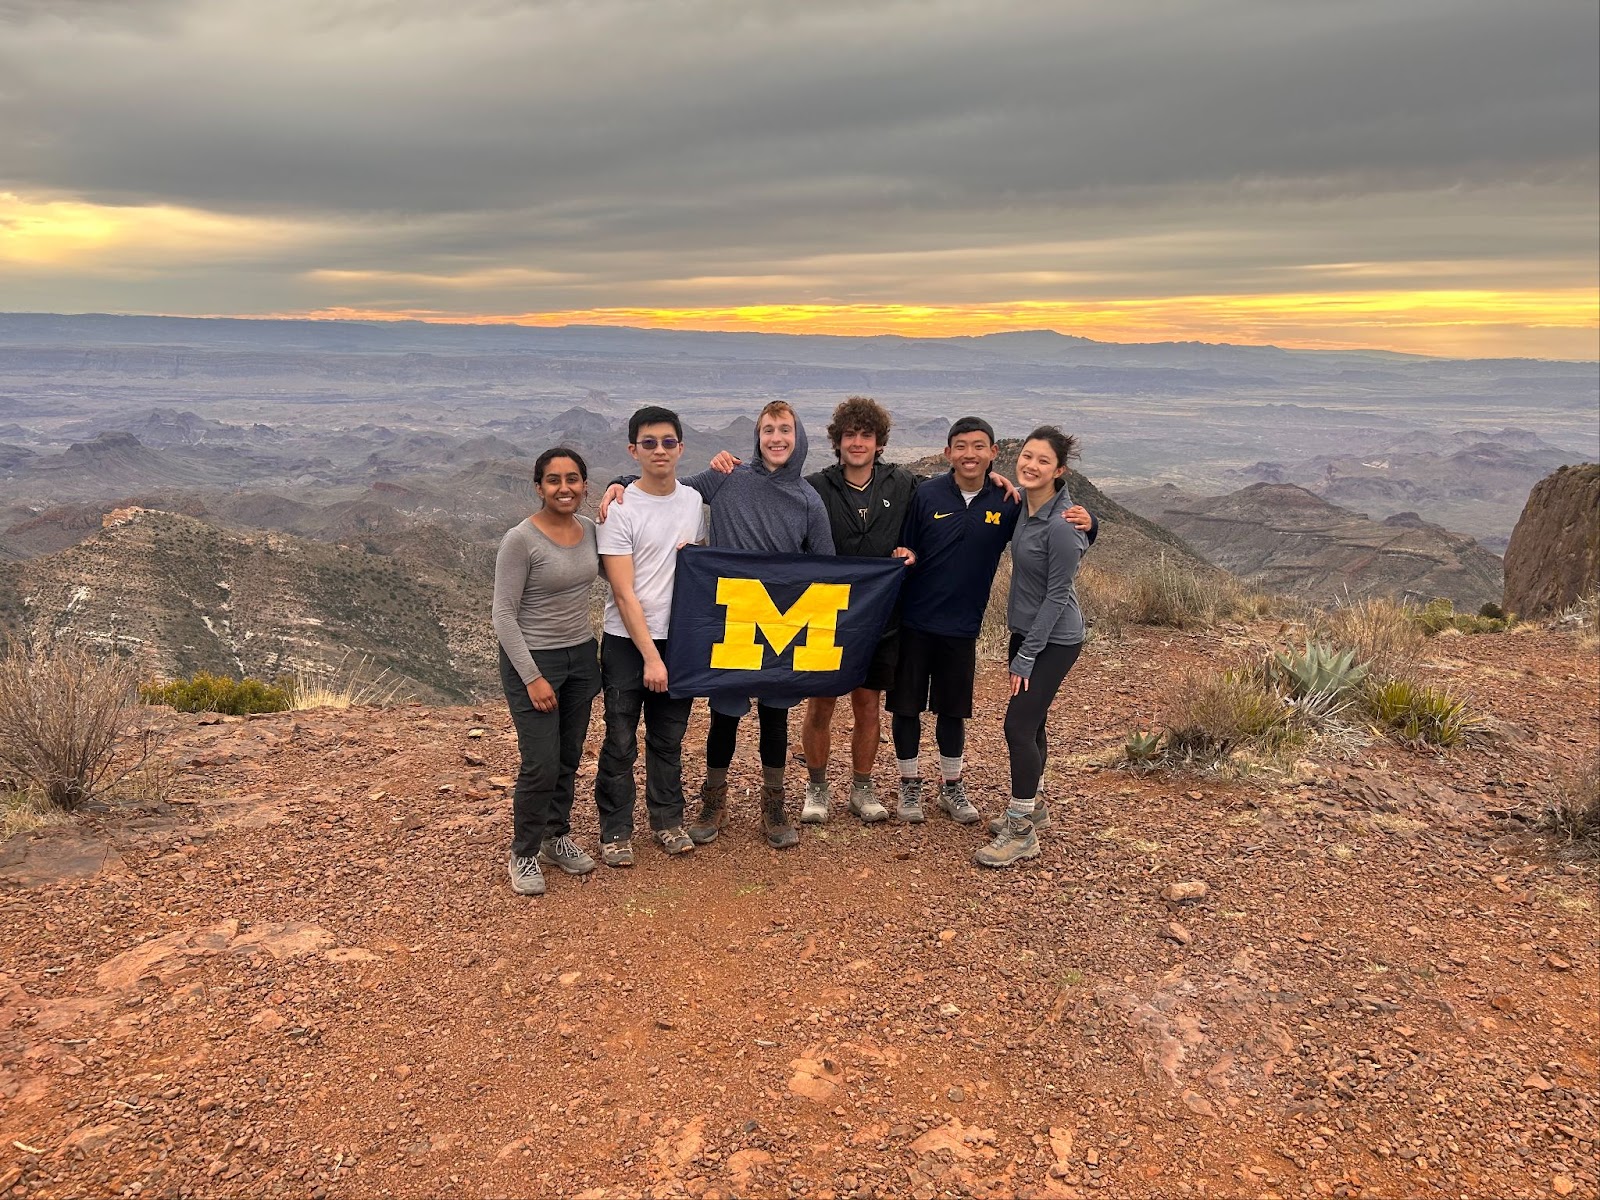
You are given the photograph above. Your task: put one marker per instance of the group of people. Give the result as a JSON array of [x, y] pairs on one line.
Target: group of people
[[949, 531]]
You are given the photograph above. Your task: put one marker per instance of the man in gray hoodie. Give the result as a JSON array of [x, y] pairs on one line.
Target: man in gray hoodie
[[767, 506]]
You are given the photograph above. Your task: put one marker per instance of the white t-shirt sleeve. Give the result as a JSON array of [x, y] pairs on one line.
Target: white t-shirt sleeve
[[616, 535]]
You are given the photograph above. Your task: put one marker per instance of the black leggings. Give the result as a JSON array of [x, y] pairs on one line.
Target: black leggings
[[724, 736], [1026, 713], [949, 731]]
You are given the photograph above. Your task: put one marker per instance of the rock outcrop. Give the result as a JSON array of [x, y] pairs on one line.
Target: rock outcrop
[[1554, 555], [1283, 538]]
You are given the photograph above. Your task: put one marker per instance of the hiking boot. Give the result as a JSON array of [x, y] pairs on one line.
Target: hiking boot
[[1041, 818], [674, 840], [910, 809], [563, 852], [713, 812], [774, 823], [864, 803], [526, 877], [1012, 844], [953, 799], [617, 854], [815, 810]]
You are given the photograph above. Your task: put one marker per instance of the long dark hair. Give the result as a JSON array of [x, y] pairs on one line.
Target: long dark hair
[[1064, 445]]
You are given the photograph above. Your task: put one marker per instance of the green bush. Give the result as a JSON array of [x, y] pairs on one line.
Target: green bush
[[1418, 713], [1439, 615], [204, 692]]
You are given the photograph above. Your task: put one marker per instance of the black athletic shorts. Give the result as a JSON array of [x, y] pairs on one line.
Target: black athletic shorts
[[933, 672], [880, 672]]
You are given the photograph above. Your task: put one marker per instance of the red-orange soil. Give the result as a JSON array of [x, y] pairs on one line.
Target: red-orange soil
[[303, 974]]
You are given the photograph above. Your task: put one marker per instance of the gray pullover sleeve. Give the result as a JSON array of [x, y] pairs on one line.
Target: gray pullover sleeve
[[510, 581], [1063, 548]]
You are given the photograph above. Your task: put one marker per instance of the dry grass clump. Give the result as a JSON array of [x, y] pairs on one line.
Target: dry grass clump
[[65, 710], [1166, 593], [1216, 712], [1382, 634], [1583, 617], [1573, 815], [349, 683], [25, 811]]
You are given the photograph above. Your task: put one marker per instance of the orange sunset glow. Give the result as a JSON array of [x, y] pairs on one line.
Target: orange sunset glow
[[1561, 323]]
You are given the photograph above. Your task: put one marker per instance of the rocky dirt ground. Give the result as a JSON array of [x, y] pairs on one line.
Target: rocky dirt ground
[[303, 974]]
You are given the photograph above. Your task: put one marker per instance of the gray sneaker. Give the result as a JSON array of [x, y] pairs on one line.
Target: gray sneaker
[[815, 810], [864, 803], [563, 852], [526, 877], [910, 808], [674, 840], [953, 799], [617, 854], [1012, 844], [1041, 818]]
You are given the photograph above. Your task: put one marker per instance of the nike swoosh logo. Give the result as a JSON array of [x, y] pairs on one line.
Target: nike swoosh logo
[[942, 516]]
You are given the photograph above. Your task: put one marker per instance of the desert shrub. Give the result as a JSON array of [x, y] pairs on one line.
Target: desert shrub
[[1163, 592], [1573, 814], [1419, 713], [204, 692], [1104, 598], [1492, 611], [64, 711], [1167, 593], [1216, 712], [1438, 615], [1383, 635]]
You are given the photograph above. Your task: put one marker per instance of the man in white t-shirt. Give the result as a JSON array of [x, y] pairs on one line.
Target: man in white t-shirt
[[639, 553]]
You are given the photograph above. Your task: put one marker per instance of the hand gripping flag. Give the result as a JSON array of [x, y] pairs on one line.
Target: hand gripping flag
[[776, 626]]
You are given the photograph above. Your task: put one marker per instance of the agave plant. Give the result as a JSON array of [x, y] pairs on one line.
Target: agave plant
[[1142, 746], [1318, 671]]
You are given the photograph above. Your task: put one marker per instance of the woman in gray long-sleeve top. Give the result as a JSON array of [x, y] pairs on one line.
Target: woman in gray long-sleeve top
[[549, 664], [1046, 632]]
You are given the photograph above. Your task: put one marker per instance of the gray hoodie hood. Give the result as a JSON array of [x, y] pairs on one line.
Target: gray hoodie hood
[[790, 471]]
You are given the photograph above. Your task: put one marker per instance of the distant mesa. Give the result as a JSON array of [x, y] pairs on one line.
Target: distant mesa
[[105, 444], [1554, 554], [1284, 538], [579, 425]]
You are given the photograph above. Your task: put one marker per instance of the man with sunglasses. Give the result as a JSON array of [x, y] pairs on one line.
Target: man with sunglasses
[[639, 553]]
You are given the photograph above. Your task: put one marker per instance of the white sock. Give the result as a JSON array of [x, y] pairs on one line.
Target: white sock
[[1021, 809], [950, 768], [910, 768]]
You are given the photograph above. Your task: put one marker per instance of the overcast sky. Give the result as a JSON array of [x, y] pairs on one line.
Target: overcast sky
[[1420, 174]]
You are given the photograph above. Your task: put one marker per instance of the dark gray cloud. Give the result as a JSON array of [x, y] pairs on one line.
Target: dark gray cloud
[[626, 146]]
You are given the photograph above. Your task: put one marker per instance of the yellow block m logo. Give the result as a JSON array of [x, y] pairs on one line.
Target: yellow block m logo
[[991, 518], [751, 610]]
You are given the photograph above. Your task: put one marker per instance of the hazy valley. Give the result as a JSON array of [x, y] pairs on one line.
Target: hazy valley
[[340, 486]]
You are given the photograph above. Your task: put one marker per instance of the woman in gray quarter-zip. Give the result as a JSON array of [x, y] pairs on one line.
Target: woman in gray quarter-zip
[[1046, 633], [549, 664]]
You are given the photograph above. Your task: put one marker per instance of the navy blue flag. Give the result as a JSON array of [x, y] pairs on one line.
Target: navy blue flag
[[776, 626]]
